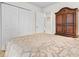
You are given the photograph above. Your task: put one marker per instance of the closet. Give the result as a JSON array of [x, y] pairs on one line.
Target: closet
[[66, 22], [15, 21]]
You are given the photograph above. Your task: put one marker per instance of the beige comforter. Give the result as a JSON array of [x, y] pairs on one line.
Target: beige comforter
[[42, 45]]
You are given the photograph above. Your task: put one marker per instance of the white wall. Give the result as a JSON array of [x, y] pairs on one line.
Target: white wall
[[48, 22], [56, 7]]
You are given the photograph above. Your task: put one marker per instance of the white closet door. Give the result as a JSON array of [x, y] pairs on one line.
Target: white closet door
[[26, 22], [39, 22], [9, 23], [0, 28]]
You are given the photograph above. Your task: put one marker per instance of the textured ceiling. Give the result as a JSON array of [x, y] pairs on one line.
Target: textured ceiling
[[42, 4]]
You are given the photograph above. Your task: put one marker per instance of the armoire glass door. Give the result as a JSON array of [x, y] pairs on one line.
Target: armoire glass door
[[69, 23], [59, 24]]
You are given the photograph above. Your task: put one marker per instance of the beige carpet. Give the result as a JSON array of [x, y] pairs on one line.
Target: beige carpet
[[50, 44], [2, 53], [43, 45]]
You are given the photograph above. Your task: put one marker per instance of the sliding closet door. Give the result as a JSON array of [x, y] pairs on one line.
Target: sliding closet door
[[0, 28], [15, 22], [26, 22], [9, 23]]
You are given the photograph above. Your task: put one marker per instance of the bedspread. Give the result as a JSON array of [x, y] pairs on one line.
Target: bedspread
[[43, 45]]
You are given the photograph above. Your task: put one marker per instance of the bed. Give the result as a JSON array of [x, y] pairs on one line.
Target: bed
[[42, 45]]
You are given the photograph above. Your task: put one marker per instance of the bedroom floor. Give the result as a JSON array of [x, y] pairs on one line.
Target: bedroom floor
[[62, 45], [2, 53]]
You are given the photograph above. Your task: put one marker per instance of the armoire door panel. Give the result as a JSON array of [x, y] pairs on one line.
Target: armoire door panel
[[70, 18], [64, 29], [69, 23], [69, 29], [59, 29], [59, 19], [64, 23]]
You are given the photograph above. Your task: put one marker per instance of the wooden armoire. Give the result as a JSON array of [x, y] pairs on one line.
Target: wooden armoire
[[66, 22]]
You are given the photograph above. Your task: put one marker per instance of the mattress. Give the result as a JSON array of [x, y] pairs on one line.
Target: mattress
[[42, 45]]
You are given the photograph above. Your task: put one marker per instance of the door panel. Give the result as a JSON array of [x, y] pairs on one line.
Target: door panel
[[9, 23], [59, 29], [40, 22], [64, 23], [69, 18], [26, 22], [59, 23], [69, 29], [59, 19], [69, 23]]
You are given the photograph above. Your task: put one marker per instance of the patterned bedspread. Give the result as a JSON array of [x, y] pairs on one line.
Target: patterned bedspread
[[43, 45]]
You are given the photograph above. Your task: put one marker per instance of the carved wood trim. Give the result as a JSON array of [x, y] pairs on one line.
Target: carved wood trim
[[63, 10]]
